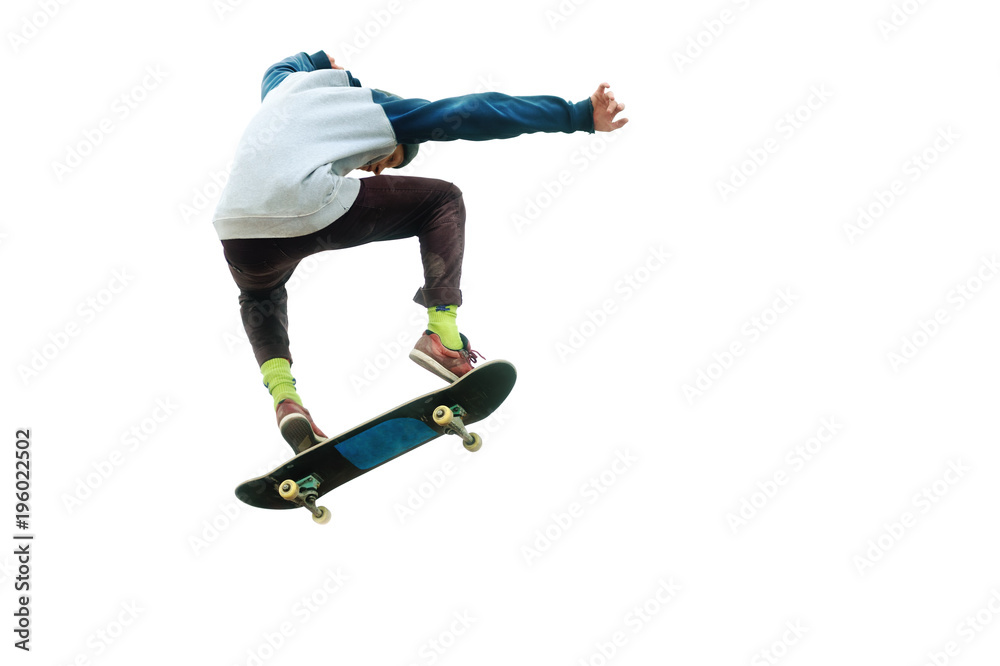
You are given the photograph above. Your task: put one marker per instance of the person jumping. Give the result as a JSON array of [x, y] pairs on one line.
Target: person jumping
[[289, 196]]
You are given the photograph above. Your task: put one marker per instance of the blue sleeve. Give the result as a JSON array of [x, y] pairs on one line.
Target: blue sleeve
[[482, 116], [300, 62]]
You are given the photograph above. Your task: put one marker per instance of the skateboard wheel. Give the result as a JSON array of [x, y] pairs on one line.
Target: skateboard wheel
[[323, 517], [475, 444], [288, 489], [443, 415]]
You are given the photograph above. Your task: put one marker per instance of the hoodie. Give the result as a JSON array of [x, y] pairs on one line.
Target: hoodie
[[316, 124]]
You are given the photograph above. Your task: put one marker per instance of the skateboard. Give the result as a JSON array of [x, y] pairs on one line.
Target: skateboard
[[313, 473]]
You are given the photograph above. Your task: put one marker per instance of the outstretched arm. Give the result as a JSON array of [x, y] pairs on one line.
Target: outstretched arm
[[487, 116], [482, 116]]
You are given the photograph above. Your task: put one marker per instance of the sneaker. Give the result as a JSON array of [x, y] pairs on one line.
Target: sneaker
[[297, 426], [446, 363]]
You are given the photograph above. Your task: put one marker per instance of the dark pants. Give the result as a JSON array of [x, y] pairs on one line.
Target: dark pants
[[387, 208]]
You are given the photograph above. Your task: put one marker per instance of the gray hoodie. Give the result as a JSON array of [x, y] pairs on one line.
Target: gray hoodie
[[315, 125]]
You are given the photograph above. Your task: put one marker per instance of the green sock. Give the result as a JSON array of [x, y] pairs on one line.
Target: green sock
[[279, 381], [441, 320]]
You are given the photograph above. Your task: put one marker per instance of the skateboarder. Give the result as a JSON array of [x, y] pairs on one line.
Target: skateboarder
[[289, 196]]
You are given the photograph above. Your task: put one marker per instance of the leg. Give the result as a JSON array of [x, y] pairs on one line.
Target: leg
[[261, 272], [397, 207]]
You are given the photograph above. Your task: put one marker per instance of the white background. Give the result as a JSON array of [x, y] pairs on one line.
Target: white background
[[542, 570]]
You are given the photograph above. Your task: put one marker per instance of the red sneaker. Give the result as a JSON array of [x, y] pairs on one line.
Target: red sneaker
[[297, 426], [446, 363]]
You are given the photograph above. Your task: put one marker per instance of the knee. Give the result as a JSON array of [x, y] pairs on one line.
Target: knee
[[453, 200], [451, 192]]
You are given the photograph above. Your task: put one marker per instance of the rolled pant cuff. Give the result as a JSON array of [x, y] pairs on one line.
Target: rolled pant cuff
[[438, 296], [264, 354]]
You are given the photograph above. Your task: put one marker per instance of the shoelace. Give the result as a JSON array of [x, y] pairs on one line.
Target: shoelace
[[475, 356]]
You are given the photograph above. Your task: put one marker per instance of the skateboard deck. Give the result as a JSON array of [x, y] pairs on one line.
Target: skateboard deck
[[332, 463]]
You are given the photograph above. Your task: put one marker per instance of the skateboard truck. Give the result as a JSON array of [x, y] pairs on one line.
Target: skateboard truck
[[450, 419], [304, 492]]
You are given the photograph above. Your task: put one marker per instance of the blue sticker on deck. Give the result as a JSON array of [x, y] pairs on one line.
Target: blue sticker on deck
[[385, 441]]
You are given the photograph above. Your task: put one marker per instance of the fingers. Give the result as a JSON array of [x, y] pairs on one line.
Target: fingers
[[606, 107], [605, 95], [614, 108], [611, 103]]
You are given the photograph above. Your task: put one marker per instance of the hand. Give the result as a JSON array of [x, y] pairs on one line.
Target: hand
[[605, 110], [333, 63]]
